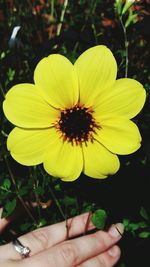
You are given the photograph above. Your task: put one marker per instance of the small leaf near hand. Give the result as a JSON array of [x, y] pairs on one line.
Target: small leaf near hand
[[144, 214], [9, 208], [99, 218], [144, 234]]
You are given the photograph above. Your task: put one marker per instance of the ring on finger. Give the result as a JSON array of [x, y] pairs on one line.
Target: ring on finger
[[21, 249]]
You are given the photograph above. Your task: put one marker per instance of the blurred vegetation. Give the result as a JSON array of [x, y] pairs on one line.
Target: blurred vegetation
[[69, 28]]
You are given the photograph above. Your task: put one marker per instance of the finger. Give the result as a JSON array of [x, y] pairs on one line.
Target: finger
[[74, 252], [47, 237], [3, 221], [10, 263], [106, 259]]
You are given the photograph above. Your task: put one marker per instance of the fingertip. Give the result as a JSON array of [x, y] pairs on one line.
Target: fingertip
[[114, 252], [116, 230], [120, 228], [113, 255]]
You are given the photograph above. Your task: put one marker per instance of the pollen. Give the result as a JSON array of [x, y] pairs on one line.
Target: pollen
[[77, 124]]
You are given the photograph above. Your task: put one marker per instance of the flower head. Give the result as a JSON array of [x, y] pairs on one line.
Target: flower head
[[75, 118]]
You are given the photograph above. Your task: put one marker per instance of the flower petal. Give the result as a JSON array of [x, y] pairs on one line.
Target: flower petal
[[119, 135], [125, 98], [97, 70], [58, 81], [98, 161], [29, 147], [24, 107], [64, 161]]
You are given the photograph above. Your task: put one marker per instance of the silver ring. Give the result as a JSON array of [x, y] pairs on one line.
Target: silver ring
[[21, 249]]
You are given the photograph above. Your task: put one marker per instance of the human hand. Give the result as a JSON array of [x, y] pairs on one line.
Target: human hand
[[49, 247]]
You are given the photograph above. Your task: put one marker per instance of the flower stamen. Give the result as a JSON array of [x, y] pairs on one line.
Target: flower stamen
[[77, 124]]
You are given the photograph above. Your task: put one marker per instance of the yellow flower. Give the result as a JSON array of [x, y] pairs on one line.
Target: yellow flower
[[75, 118]]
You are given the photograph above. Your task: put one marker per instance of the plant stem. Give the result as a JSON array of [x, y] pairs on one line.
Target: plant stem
[[16, 188], [57, 203], [2, 91], [27, 210], [62, 17], [36, 183], [52, 7], [54, 197], [126, 44], [87, 222]]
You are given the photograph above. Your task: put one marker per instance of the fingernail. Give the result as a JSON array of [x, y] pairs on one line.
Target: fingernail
[[114, 251], [116, 230]]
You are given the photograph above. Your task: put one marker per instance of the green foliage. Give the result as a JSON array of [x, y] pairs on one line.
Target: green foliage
[[127, 5], [69, 201], [144, 214], [118, 6], [10, 74], [9, 207], [122, 265], [144, 234], [132, 18], [99, 218], [140, 228], [6, 184]]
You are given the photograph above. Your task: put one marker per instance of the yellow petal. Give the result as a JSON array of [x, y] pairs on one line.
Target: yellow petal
[[29, 147], [64, 161], [119, 135], [125, 98], [97, 70], [57, 80], [98, 161], [25, 108]]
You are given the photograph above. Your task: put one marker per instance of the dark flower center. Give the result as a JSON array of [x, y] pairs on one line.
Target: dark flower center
[[77, 124]]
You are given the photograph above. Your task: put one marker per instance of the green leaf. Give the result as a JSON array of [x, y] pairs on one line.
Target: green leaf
[[42, 222], [127, 5], [144, 234], [73, 212], [10, 74], [142, 224], [39, 190], [131, 19], [144, 214], [7, 183], [118, 5], [2, 55], [134, 226], [9, 208], [23, 191], [126, 222], [69, 201], [99, 218], [57, 187], [25, 226]]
